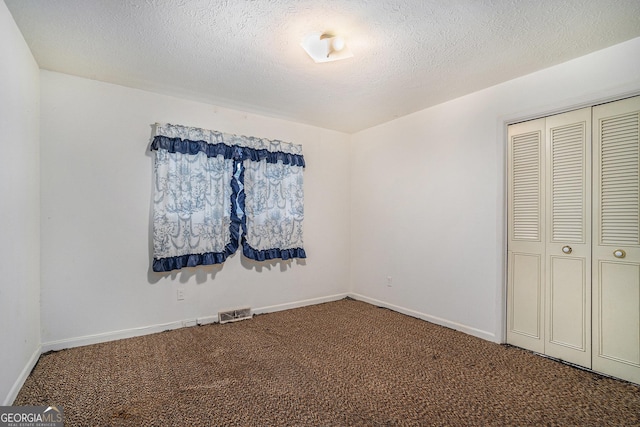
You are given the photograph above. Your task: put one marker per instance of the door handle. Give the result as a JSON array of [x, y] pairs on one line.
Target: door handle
[[619, 253], [567, 249]]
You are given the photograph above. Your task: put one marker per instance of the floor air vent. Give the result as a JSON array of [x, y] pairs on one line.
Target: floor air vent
[[234, 315]]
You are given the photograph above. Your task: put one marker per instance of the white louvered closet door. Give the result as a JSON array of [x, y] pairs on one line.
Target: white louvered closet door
[[526, 242], [568, 237], [616, 235], [549, 247], [573, 256]]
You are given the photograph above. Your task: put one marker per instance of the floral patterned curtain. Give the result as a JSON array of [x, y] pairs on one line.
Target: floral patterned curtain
[[214, 192]]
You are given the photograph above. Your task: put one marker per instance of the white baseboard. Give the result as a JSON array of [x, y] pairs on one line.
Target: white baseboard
[[24, 374], [207, 320], [152, 329], [298, 304], [110, 336], [429, 318]]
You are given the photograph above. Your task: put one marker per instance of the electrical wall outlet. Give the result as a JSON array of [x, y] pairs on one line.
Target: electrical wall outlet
[[180, 294], [389, 281]]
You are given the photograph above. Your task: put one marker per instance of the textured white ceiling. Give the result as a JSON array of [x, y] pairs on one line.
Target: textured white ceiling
[[408, 54]]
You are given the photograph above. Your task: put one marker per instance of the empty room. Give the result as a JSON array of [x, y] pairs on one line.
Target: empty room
[[304, 212]]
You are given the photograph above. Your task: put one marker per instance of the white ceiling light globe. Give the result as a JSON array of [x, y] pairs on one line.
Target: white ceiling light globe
[[337, 43]]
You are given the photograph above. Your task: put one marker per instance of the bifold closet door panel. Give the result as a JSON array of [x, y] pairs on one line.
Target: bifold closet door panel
[[526, 245], [568, 237], [616, 235]]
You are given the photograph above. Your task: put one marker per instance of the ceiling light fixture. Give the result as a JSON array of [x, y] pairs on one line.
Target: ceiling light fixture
[[325, 47]]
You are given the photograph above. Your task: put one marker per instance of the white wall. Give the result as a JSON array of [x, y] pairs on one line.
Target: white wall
[[428, 192], [20, 212], [96, 194]]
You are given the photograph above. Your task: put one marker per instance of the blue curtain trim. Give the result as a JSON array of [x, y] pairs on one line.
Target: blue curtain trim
[[267, 254], [236, 221], [191, 260], [185, 146]]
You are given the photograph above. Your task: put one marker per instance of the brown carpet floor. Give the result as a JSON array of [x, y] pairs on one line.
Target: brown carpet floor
[[344, 363]]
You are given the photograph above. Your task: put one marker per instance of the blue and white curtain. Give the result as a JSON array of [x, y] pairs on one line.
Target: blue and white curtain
[[215, 192]]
